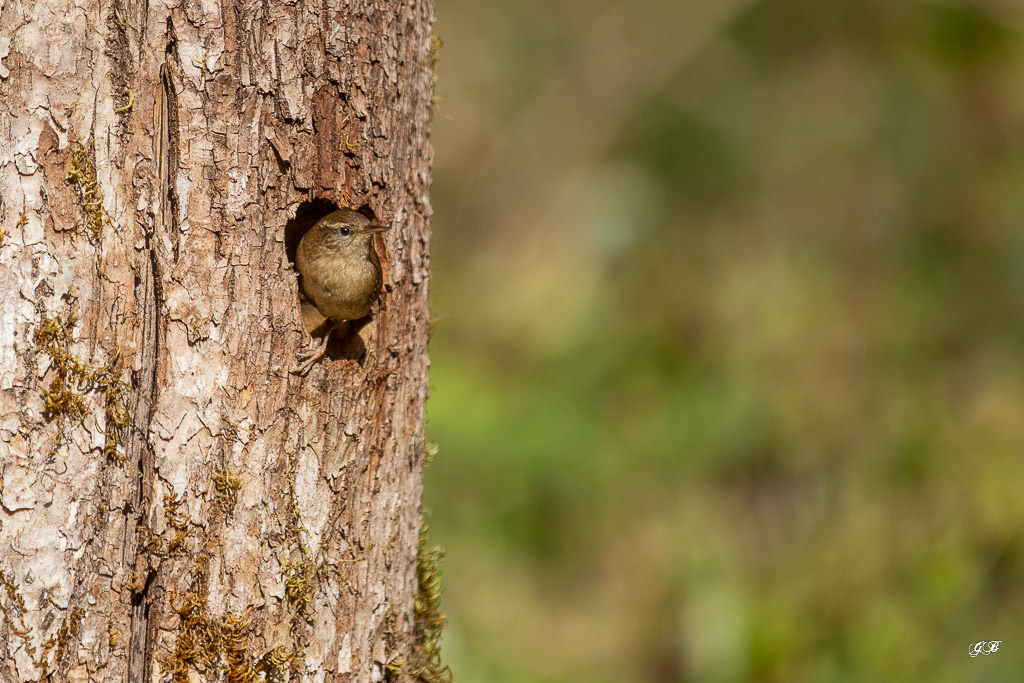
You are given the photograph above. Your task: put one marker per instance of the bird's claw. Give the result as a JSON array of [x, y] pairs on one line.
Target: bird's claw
[[307, 357]]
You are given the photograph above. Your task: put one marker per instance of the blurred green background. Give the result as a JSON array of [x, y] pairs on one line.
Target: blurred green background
[[728, 360]]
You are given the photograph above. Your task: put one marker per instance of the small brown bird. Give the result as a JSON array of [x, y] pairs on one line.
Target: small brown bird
[[341, 276]]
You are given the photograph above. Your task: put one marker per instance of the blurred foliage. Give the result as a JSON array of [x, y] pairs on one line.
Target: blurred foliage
[[728, 358]]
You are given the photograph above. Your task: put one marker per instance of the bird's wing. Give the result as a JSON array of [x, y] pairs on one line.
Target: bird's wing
[[312, 318]]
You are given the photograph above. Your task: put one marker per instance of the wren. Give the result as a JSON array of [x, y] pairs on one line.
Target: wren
[[340, 276]]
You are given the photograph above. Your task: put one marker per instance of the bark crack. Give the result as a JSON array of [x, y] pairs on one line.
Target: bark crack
[[140, 451]]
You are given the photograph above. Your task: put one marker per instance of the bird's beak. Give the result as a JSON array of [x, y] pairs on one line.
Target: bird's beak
[[375, 229]]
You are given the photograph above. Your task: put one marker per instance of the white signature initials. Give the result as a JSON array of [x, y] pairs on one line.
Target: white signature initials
[[984, 647]]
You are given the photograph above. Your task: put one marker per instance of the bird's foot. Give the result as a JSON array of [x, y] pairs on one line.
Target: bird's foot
[[307, 357]]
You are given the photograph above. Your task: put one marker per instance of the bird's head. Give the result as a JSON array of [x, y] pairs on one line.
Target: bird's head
[[345, 230]]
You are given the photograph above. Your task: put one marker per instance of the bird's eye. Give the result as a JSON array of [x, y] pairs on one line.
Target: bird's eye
[[344, 231]]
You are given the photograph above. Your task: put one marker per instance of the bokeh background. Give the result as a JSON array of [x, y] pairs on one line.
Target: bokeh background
[[728, 356]]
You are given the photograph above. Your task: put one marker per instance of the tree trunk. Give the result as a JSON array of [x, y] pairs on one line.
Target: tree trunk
[[176, 505]]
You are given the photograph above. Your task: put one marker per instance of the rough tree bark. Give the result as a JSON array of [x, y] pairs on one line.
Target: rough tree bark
[[175, 504]]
